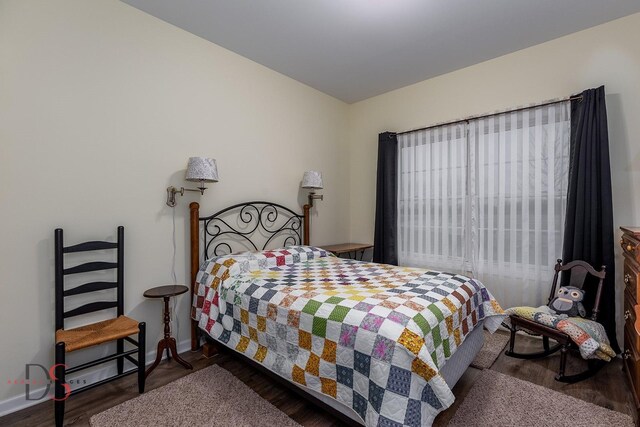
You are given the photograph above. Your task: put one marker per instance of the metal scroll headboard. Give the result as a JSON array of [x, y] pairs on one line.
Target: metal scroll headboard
[[246, 226], [250, 226]]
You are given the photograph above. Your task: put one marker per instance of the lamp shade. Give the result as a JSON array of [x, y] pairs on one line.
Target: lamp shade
[[202, 169], [312, 179]]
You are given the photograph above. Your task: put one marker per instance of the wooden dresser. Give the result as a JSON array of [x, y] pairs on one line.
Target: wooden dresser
[[630, 243]]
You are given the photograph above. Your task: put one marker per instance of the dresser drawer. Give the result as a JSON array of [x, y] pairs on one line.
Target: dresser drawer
[[630, 247], [630, 277], [629, 324], [632, 362]]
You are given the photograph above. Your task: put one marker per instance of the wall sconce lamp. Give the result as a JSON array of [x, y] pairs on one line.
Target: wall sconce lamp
[[313, 181], [199, 169]]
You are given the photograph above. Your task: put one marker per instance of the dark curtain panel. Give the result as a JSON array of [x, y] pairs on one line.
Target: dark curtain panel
[[385, 246], [588, 232]]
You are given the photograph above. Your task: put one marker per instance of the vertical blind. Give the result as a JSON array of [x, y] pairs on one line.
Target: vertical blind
[[487, 198]]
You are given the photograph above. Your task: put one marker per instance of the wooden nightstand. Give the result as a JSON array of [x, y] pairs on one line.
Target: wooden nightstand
[[348, 249]]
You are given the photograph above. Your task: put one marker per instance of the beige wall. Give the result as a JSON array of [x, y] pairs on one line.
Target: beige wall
[[100, 107], [608, 54]]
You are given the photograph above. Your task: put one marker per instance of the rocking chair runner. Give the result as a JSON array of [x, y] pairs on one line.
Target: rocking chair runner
[[578, 271]]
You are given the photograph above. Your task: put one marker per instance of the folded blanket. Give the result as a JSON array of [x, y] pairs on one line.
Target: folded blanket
[[589, 336]]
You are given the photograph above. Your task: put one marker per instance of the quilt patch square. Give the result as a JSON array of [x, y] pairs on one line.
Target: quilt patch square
[[311, 307], [398, 317], [344, 375], [272, 343], [261, 353], [339, 313], [304, 340], [329, 387], [292, 351], [251, 289], [362, 363], [293, 318], [399, 381], [329, 351], [422, 323], [225, 336], [281, 331], [319, 327], [376, 395], [313, 365], [253, 305], [297, 375], [237, 326], [423, 369], [363, 306], [383, 348], [372, 322], [242, 344], [262, 323], [412, 416], [429, 396], [348, 335], [412, 341], [359, 404]]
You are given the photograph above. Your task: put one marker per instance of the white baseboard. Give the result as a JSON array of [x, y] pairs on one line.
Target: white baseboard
[[19, 402]]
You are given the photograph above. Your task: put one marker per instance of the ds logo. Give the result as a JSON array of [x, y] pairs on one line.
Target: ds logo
[[50, 375]]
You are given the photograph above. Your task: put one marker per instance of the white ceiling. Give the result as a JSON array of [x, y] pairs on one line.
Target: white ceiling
[[355, 49]]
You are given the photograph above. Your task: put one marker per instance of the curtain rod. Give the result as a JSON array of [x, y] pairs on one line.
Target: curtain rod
[[484, 116]]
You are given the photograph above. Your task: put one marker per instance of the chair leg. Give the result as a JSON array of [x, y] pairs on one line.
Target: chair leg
[[120, 361], [563, 360], [512, 341], [59, 389], [142, 353], [545, 343]]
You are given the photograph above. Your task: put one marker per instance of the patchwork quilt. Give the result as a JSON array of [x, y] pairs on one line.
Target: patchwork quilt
[[371, 336], [589, 336]]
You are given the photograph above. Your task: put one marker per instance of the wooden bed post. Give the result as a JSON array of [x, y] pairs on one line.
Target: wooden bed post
[[194, 228], [305, 236]]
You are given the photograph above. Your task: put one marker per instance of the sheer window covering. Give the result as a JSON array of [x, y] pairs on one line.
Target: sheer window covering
[[433, 197], [487, 198]]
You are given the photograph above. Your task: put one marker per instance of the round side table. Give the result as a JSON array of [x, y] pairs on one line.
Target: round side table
[[167, 343]]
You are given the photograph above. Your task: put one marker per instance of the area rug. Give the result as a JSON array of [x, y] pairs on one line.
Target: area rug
[[500, 400], [493, 346], [210, 397]]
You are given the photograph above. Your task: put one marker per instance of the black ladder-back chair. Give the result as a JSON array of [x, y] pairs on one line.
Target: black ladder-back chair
[[578, 271], [118, 329]]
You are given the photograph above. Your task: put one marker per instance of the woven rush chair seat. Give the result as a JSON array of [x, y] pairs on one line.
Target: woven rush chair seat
[[97, 333]]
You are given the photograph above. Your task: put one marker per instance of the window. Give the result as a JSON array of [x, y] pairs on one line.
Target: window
[[433, 197], [487, 198]]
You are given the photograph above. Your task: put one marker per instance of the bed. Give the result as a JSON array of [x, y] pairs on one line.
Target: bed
[[375, 344]]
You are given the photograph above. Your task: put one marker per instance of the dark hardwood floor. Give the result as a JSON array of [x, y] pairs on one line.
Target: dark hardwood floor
[[608, 388]]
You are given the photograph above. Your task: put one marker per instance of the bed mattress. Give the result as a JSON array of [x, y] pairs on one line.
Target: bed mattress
[[374, 337]]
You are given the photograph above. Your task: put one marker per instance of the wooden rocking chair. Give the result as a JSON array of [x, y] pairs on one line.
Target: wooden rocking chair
[[578, 271]]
